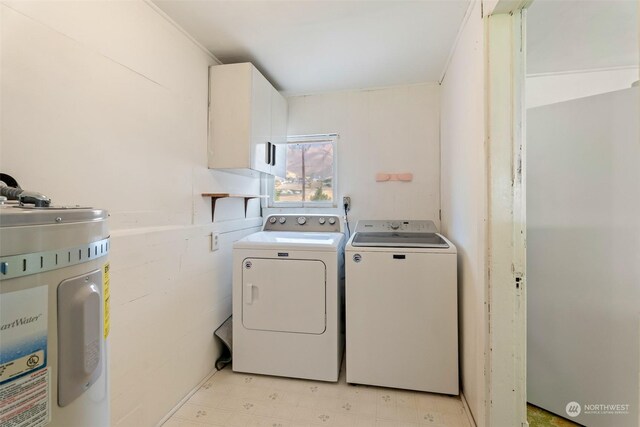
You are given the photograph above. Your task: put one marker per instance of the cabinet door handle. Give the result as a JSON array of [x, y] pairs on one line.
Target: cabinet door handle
[[273, 154], [267, 153]]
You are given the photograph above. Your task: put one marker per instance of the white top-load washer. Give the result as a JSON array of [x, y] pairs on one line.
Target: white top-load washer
[[401, 307], [288, 287]]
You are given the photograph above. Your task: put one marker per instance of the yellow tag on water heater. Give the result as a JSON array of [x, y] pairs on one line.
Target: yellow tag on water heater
[[106, 296]]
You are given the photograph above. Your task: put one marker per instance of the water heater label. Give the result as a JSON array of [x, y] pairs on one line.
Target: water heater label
[[23, 332], [106, 294], [24, 376]]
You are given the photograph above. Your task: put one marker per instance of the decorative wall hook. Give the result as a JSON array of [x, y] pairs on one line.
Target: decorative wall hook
[[404, 177]]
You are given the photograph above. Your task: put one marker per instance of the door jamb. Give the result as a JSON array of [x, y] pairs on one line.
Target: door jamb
[[506, 225]]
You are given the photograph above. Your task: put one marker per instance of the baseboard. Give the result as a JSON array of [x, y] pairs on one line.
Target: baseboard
[[187, 397], [468, 410]]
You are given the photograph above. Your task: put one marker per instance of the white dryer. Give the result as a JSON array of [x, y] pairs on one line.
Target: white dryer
[[288, 287], [401, 307]]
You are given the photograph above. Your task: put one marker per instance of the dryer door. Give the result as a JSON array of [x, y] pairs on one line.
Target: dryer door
[[284, 295]]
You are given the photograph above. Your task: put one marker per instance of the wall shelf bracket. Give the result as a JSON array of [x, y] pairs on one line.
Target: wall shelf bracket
[[216, 196]]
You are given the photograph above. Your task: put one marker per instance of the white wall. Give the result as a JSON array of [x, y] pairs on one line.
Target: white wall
[[552, 88], [388, 130], [464, 202], [105, 104]]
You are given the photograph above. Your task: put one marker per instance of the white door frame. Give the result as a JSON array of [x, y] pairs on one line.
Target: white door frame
[[506, 226]]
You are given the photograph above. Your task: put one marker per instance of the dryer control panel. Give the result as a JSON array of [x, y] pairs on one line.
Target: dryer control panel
[[303, 222]]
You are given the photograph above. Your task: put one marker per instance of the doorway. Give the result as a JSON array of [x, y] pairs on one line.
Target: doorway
[[582, 120]]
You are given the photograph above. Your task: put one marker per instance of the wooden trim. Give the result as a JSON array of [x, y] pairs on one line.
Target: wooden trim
[[170, 20], [508, 6], [506, 221], [465, 19], [467, 410]]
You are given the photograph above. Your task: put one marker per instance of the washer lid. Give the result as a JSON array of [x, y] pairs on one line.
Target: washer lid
[[292, 240], [13, 215], [399, 240]]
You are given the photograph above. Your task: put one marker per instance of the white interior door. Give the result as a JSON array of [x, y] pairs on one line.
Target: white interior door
[[583, 256], [284, 295]]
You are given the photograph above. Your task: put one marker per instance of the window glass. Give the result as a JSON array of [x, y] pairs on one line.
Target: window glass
[[310, 174]]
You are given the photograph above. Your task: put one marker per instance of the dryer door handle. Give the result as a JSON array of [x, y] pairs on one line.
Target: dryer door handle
[[248, 293]]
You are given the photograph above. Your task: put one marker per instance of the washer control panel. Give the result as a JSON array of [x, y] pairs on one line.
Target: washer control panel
[[306, 222], [405, 226]]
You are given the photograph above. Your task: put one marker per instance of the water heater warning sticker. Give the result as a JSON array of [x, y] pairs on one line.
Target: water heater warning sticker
[[25, 402], [106, 296], [24, 376]]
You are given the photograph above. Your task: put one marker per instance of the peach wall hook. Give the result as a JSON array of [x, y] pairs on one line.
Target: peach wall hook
[[404, 177]]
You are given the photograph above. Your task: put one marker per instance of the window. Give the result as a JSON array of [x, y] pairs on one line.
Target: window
[[310, 175]]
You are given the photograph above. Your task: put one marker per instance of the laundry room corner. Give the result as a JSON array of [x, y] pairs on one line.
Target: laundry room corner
[[386, 129]]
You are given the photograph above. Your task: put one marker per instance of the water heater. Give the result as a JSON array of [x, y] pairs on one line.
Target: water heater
[[54, 316]]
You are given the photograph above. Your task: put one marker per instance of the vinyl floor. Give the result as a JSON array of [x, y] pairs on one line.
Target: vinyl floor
[[242, 400]]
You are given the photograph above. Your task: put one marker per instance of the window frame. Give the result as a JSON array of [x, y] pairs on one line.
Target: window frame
[[331, 138]]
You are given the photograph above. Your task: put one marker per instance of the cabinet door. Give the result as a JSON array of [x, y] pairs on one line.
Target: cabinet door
[[260, 123], [230, 116], [279, 112]]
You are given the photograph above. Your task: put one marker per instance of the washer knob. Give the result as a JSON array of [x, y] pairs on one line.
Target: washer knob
[[302, 220], [322, 220], [395, 225], [282, 220], [332, 220], [272, 220]]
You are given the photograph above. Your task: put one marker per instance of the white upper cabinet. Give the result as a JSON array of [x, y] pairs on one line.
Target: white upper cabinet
[[247, 121]]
